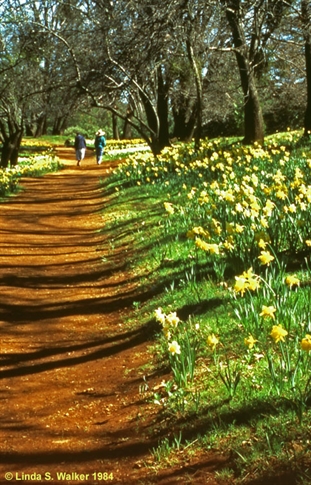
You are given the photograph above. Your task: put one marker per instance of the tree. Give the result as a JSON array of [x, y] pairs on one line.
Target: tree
[[252, 24], [306, 30], [12, 91]]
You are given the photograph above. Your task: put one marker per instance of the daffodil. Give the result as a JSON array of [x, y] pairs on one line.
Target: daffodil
[[253, 284], [160, 316], [292, 208], [262, 244], [213, 248], [250, 341], [241, 285], [212, 341], [174, 347], [169, 207], [210, 248], [173, 319], [292, 280], [239, 229], [268, 311], [248, 274], [201, 244], [266, 257], [278, 333], [306, 343]]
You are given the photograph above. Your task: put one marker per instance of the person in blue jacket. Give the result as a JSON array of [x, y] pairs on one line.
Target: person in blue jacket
[[80, 147], [100, 143]]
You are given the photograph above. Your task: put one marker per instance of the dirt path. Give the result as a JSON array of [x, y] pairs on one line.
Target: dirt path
[[70, 371]]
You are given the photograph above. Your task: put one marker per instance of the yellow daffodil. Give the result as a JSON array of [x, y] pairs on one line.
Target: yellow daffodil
[[239, 229], [292, 280], [278, 333], [199, 231], [169, 207], [201, 244], [306, 343], [262, 244], [247, 281], [292, 208], [241, 284], [211, 248], [212, 341], [253, 284], [167, 334], [281, 194], [250, 341], [248, 274], [268, 311], [268, 208], [266, 257], [228, 245], [264, 222]]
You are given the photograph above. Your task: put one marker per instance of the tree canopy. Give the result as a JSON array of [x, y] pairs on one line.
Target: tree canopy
[[180, 68]]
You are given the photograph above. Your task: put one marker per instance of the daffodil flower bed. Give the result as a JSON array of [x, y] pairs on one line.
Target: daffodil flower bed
[[121, 144], [233, 202], [241, 207], [235, 234], [27, 167]]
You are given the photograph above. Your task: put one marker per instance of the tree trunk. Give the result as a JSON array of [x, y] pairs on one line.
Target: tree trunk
[[41, 128], [306, 18], [307, 118], [183, 129], [127, 127], [11, 146], [253, 119], [198, 83], [115, 129], [59, 125], [157, 119], [162, 104]]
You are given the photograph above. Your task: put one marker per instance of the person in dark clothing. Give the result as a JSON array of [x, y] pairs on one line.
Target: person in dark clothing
[[100, 143], [80, 147]]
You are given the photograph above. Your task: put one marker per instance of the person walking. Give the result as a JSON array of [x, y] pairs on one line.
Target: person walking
[[100, 143], [80, 147]]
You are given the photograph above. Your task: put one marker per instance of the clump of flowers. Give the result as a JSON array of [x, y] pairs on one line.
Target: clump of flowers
[[183, 341], [247, 281]]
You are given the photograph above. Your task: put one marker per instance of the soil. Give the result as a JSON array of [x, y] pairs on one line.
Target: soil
[[70, 367]]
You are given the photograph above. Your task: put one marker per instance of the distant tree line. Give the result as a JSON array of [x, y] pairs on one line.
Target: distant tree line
[[178, 69]]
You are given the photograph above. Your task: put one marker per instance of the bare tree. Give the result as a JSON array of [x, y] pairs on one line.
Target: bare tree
[[306, 30], [252, 24]]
